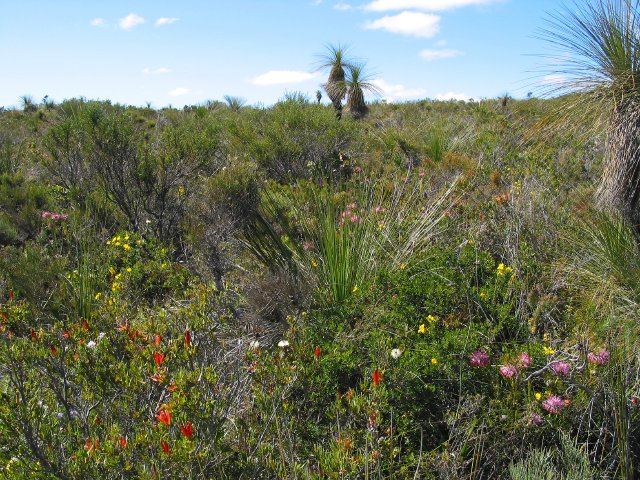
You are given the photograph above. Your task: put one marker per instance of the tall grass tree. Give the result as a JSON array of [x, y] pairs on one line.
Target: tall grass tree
[[335, 60], [602, 39]]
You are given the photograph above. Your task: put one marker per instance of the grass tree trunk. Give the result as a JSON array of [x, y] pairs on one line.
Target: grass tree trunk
[[620, 186]]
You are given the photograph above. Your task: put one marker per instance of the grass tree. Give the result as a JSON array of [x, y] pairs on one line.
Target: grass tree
[[358, 84], [602, 39], [335, 60]]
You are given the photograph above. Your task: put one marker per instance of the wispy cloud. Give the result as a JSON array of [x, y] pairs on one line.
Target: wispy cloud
[[438, 54], [427, 5], [408, 23], [156, 71], [315, 3], [166, 21], [177, 92], [445, 97], [398, 92], [342, 6], [282, 77], [98, 22], [130, 21]]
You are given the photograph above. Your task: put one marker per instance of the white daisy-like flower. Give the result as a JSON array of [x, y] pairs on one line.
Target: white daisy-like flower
[[395, 353], [254, 345], [283, 344], [91, 344]]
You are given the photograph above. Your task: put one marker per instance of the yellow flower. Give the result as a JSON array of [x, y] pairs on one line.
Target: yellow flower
[[403, 266], [434, 361], [126, 247], [112, 270], [483, 295], [139, 242], [538, 395], [98, 295], [126, 237], [431, 319], [503, 270], [314, 264], [355, 289], [117, 244], [128, 269], [163, 265], [422, 329], [548, 350], [118, 276]]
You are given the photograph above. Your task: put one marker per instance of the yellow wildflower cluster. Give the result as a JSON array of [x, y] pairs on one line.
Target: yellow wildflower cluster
[[503, 270], [548, 350]]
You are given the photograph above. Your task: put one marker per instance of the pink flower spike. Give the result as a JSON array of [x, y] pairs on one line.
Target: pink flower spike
[[553, 404], [560, 369], [525, 359], [599, 358], [508, 371], [479, 359]]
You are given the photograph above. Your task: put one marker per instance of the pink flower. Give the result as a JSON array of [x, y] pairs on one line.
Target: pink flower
[[508, 371], [379, 209], [46, 214], [553, 404], [525, 359], [536, 419], [479, 359], [561, 369], [307, 246], [599, 358]]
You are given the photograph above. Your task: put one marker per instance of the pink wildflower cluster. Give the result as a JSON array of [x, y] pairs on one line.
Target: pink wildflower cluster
[[525, 359], [379, 209], [536, 419], [47, 215], [554, 404], [350, 215], [479, 359], [560, 369], [599, 358], [508, 370]]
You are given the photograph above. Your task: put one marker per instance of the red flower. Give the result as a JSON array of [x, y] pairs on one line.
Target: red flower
[[158, 340], [91, 445], [317, 353], [187, 339], [122, 441], [85, 324], [158, 358], [66, 334], [165, 447], [377, 376], [11, 295], [164, 417], [187, 430], [32, 334]]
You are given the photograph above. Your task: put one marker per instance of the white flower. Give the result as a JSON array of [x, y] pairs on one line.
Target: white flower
[[395, 353], [101, 335], [254, 345], [91, 344], [283, 344]]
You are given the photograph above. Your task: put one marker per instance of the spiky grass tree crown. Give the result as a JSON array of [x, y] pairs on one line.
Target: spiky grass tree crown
[[599, 41], [335, 59]]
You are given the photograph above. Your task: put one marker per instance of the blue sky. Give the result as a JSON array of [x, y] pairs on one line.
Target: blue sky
[[177, 53]]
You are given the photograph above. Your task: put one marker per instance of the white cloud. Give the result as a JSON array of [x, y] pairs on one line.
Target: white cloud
[[282, 77], [156, 71], [554, 79], [427, 5], [445, 97], [176, 92], [408, 23], [130, 21], [315, 3], [431, 54], [397, 92], [166, 21], [98, 22], [342, 6]]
